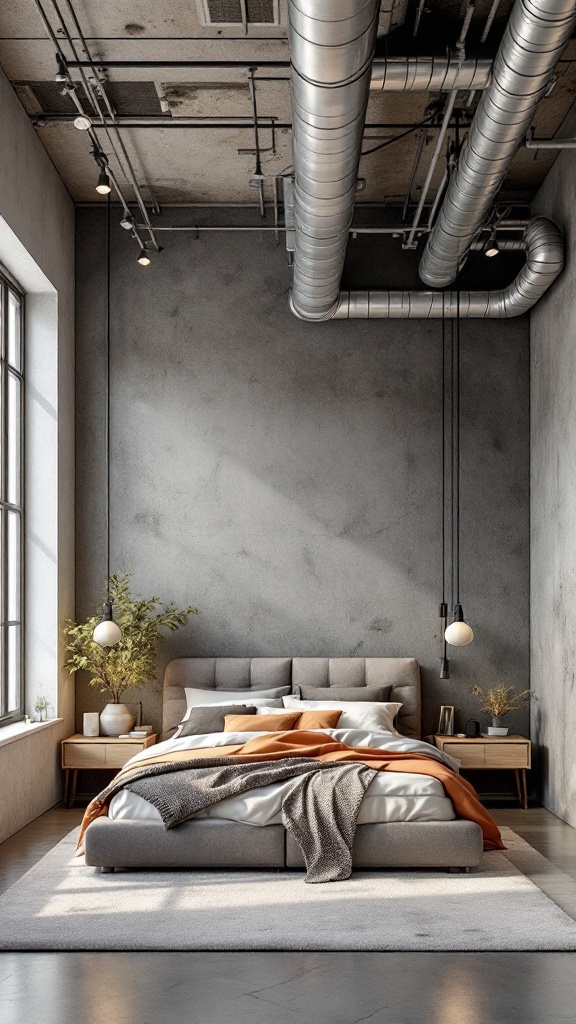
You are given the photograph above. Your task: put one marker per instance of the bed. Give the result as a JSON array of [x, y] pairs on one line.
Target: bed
[[405, 821]]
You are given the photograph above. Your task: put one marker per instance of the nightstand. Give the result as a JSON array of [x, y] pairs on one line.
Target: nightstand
[[495, 752], [96, 752]]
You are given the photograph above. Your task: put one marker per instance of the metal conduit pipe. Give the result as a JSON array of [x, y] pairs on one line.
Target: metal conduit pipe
[[332, 46], [429, 74], [533, 42], [544, 262]]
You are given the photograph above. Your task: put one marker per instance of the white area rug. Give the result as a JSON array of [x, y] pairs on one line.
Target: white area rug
[[62, 905]]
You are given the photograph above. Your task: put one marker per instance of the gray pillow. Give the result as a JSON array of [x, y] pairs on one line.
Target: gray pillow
[[363, 693], [211, 718]]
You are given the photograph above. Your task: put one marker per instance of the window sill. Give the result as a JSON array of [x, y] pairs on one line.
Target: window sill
[[12, 733]]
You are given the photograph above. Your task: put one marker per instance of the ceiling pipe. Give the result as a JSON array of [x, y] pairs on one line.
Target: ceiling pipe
[[392, 15], [532, 44], [331, 44], [429, 74], [544, 262], [332, 47]]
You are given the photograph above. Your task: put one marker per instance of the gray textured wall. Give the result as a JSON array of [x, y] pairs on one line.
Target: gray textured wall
[[285, 477], [553, 518]]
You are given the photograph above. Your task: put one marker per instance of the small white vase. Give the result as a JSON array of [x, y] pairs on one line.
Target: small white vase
[[116, 719], [497, 730]]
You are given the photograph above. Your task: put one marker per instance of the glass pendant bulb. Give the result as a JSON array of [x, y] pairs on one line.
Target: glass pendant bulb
[[459, 633], [107, 632]]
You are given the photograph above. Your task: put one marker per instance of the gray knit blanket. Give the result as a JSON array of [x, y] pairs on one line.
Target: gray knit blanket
[[320, 811]]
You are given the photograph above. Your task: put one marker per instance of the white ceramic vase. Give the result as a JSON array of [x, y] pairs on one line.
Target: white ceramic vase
[[116, 719]]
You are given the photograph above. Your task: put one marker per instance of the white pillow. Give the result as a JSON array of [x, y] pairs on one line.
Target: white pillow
[[377, 716], [196, 698], [270, 708]]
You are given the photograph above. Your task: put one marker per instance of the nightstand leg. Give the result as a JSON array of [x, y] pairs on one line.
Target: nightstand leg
[[66, 786], [524, 790], [518, 785], [73, 793]]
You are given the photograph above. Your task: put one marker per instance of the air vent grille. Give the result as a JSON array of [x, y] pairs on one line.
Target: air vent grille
[[229, 12]]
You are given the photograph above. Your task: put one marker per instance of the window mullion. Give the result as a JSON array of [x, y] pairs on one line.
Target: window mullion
[[3, 514]]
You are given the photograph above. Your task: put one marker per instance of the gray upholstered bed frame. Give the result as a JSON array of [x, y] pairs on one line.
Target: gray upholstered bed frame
[[222, 844]]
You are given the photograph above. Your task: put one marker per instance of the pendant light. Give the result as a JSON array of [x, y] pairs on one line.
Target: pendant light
[[107, 632], [444, 662], [458, 633]]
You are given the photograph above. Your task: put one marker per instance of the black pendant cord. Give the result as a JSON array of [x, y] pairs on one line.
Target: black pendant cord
[[443, 453], [108, 398], [456, 428], [456, 456]]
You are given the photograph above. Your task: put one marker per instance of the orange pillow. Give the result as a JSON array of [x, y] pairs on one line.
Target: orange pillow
[[261, 723], [318, 719]]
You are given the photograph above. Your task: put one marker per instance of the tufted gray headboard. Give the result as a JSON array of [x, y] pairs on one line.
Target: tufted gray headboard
[[253, 674]]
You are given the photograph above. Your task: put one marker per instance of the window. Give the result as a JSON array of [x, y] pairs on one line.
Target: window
[[11, 501]]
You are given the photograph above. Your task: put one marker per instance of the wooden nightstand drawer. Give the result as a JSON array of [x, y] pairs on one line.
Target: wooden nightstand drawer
[[507, 755], [118, 753], [83, 755], [471, 755]]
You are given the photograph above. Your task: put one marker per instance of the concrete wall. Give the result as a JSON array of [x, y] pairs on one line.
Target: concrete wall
[[285, 477], [37, 247], [553, 505]]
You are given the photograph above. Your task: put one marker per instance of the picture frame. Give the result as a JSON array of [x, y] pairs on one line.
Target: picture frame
[[446, 720]]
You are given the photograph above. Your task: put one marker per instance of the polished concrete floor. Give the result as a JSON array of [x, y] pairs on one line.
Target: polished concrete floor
[[287, 988]]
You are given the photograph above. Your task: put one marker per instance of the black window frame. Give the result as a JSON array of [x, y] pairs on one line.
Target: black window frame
[[11, 508]]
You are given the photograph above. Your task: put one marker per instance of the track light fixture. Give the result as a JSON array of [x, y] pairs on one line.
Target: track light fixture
[[62, 75], [144, 259], [491, 247], [127, 222], [103, 186], [82, 122]]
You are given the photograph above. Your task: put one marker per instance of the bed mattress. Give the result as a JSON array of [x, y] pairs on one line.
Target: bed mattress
[[394, 797]]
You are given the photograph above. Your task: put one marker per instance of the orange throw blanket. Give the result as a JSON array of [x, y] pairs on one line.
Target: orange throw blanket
[[274, 746]]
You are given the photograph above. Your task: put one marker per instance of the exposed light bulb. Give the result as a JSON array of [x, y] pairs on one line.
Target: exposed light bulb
[[144, 259], [103, 186], [82, 122], [459, 633], [107, 633]]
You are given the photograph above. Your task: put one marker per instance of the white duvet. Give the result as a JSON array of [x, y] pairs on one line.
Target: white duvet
[[392, 796]]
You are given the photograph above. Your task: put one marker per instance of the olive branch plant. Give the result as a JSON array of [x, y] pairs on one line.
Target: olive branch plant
[[132, 661], [500, 700]]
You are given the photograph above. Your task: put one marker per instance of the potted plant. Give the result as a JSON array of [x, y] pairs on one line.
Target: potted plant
[[41, 706], [498, 701], [132, 661]]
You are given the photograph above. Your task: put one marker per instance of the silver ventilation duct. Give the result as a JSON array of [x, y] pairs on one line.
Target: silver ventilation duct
[[533, 41], [392, 15], [332, 45], [544, 262], [429, 74]]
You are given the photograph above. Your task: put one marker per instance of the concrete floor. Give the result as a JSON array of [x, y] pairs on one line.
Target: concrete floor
[[287, 988]]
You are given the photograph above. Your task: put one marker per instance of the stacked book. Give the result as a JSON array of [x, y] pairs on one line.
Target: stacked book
[[137, 734]]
